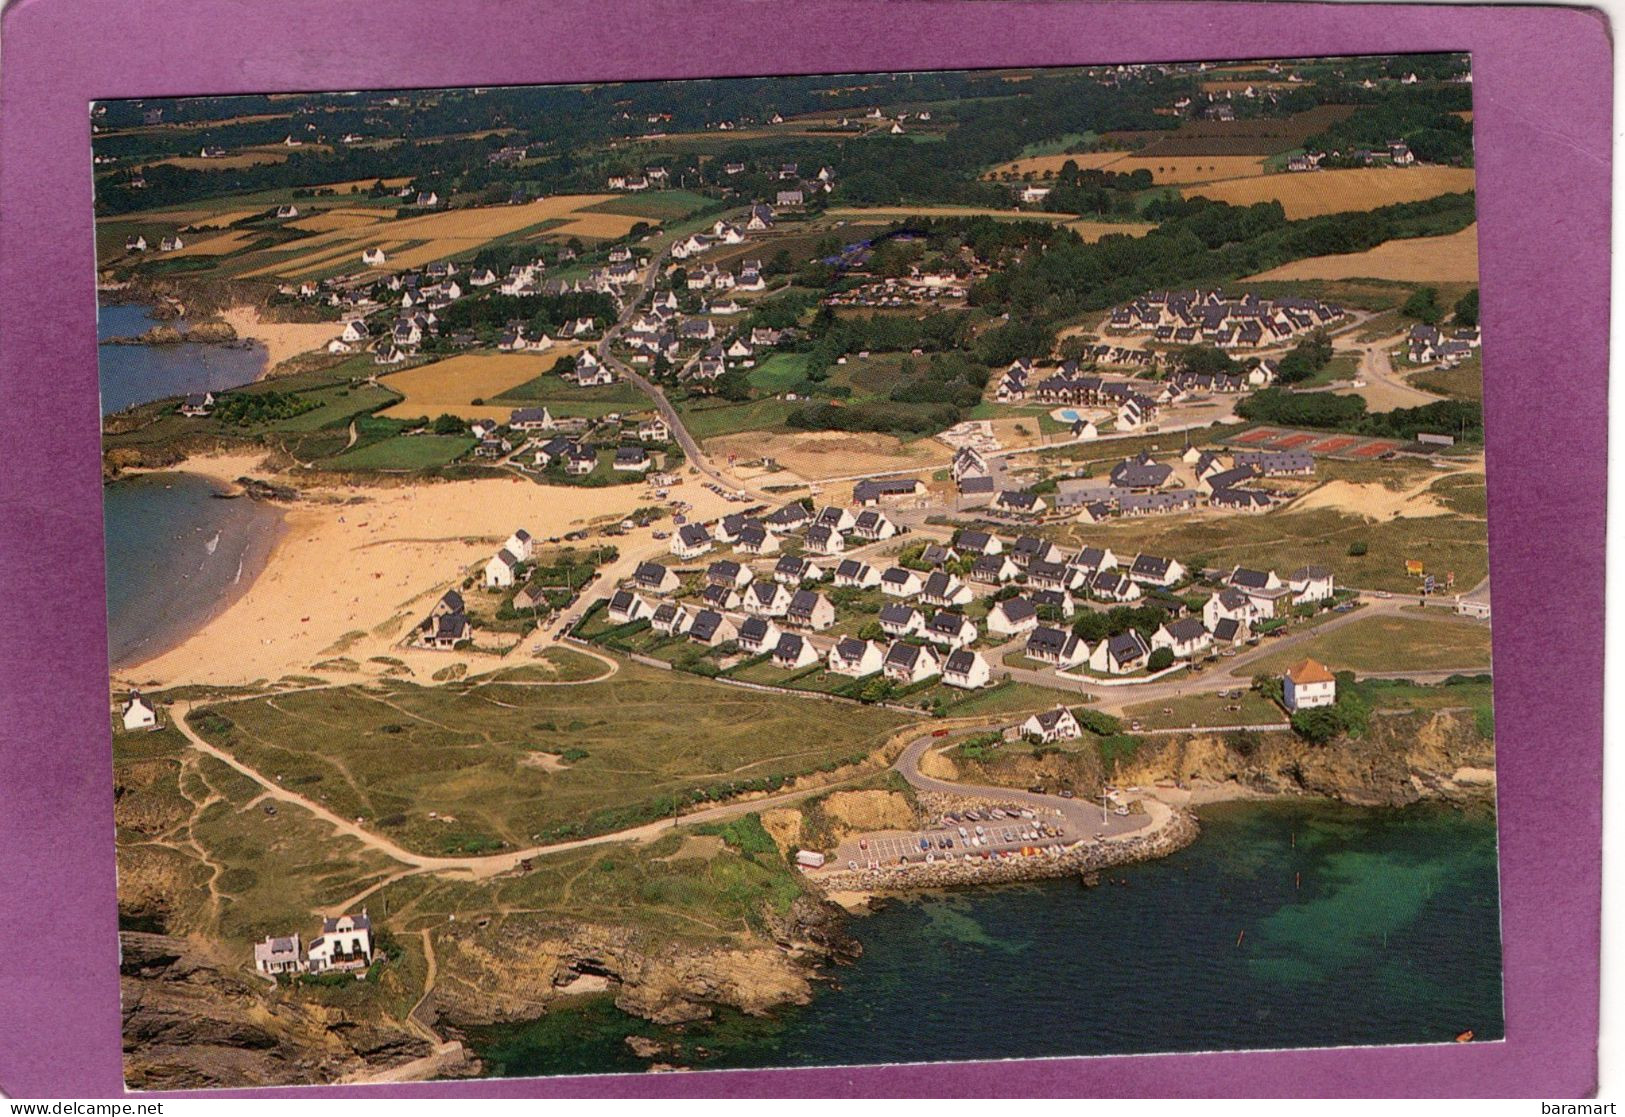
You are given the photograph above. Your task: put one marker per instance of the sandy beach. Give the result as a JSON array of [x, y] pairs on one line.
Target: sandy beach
[[357, 566], [281, 339]]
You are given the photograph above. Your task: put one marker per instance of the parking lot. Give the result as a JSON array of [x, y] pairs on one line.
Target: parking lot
[[1014, 831]]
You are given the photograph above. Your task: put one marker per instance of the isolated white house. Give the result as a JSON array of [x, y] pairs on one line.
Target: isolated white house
[[1308, 684], [345, 944], [138, 713], [500, 571]]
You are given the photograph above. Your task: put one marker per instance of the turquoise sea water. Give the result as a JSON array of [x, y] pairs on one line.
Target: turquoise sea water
[[1356, 926]]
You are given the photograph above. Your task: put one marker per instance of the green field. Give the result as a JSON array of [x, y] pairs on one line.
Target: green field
[[565, 399], [1388, 644], [479, 752], [712, 418], [1204, 711], [1465, 381], [657, 205], [780, 372], [420, 451]]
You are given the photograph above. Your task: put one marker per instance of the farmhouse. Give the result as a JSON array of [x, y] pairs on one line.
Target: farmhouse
[[870, 492]]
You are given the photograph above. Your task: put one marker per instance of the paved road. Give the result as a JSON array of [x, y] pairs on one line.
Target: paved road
[[1064, 821]]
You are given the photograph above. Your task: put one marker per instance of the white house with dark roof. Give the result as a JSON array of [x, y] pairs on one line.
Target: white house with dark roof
[[943, 589], [872, 525], [978, 543], [727, 572], [754, 539], [950, 630], [1055, 646], [1311, 584], [825, 540], [671, 618], [711, 628], [344, 944], [1050, 726], [898, 619], [1155, 570], [1121, 654], [626, 607], [690, 541], [792, 570], [500, 572], [856, 574], [520, 545], [855, 658], [138, 713], [899, 581], [758, 635], [1012, 617], [808, 609], [966, 669], [793, 652], [1186, 638], [766, 599], [652, 577], [1114, 586], [906, 664], [993, 570]]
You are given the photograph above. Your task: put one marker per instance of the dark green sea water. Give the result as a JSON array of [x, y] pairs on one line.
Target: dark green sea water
[[1392, 937]]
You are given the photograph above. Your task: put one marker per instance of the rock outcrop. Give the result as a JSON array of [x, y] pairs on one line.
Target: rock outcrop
[[191, 1023]]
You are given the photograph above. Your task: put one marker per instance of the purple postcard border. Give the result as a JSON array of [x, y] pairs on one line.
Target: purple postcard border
[[1542, 112]]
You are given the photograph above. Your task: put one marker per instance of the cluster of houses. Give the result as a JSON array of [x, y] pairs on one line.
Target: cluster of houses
[[1427, 344], [1225, 321], [1229, 618], [1135, 404], [345, 944], [918, 288]]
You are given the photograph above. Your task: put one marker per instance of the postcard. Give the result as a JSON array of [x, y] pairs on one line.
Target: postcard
[[797, 571]]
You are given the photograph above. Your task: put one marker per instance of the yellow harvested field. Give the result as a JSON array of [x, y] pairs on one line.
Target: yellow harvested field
[[217, 245], [362, 184], [1172, 169], [1319, 192], [1446, 259], [1093, 230], [450, 386], [225, 163], [1047, 166], [337, 219], [444, 233], [604, 226]]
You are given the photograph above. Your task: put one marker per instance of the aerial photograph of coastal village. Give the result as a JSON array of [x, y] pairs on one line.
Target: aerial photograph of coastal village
[[797, 571]]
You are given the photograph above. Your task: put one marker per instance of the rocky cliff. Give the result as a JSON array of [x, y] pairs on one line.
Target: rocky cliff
[[192, 1023], [1401, 758]]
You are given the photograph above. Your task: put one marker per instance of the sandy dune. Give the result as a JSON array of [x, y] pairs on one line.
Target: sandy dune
[[281, 339]]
